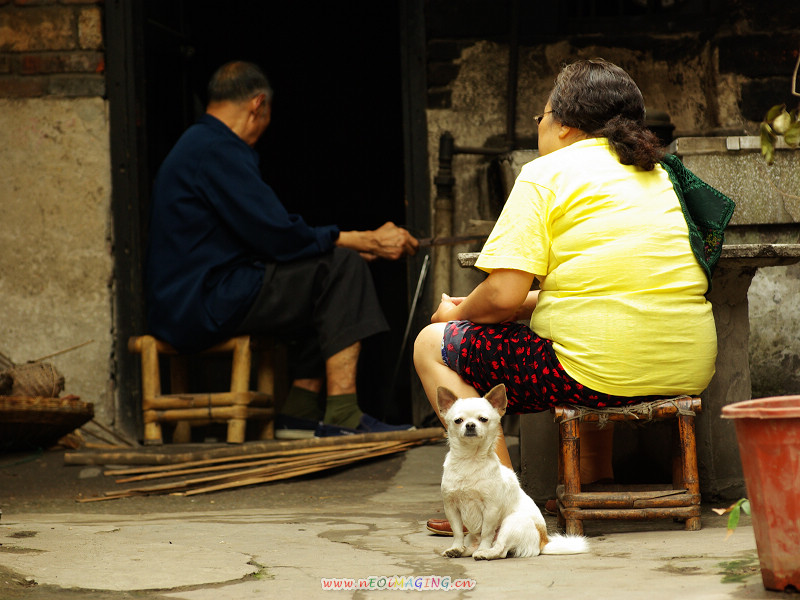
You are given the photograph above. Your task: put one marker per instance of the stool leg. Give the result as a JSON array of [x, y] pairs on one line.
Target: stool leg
[[573, 527], [151, 387], [240, 384], [571, 466], [688, 453], [562, 523], [266, 384], [179, 383]]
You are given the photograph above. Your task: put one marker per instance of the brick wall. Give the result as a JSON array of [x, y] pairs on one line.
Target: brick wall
[[51, 48]]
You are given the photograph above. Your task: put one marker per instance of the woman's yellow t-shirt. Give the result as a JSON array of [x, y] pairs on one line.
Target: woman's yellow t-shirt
[[623, 297]]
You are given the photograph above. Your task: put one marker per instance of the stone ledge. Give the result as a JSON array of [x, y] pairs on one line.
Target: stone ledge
[[752, 255]]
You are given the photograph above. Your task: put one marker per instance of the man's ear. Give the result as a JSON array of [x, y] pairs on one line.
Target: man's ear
[[258, 104]]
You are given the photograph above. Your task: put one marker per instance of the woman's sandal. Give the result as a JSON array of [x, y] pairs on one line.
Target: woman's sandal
[[440, 527]]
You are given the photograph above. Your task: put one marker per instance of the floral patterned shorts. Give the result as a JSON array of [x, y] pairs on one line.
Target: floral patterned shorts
[[511, 353]]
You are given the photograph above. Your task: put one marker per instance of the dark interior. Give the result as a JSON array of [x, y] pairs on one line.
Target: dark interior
[[333, 151]]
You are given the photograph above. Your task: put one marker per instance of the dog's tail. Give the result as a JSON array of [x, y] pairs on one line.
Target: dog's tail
[[566, 544]]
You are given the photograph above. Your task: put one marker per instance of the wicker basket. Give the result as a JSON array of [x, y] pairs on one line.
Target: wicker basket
[[30, 422]]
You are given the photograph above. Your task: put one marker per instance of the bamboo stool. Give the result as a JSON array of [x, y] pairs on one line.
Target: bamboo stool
[[634, 502], [184, 409]]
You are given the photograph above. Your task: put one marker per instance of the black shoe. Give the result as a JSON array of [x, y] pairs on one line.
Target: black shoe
[[367, 424], [294, 428], [372, 425]]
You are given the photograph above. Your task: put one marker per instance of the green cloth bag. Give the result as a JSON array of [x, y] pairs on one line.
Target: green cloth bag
[[707, 212]]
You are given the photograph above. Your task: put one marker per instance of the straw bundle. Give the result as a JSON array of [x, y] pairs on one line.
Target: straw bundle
[[36, 379]]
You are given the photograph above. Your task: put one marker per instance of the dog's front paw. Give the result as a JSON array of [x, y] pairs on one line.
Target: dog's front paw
[[485, 554], [454, 552]]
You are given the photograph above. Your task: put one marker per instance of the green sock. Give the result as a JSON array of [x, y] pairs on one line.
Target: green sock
[[302, 403], [343, 410]]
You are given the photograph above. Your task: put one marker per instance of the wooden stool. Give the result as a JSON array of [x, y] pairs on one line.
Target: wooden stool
[[184, 409], [635, 502]]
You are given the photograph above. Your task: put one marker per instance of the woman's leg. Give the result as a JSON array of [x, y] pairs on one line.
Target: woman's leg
[[434, 373]]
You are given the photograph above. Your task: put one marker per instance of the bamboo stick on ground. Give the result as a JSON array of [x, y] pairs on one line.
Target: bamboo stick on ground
[[113, 433], [263, 470], [261, 475], [309, 470], [160, 457], [230, 459], [228, 466]]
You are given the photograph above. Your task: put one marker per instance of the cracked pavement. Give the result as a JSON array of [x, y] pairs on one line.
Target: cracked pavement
[[363, 521]]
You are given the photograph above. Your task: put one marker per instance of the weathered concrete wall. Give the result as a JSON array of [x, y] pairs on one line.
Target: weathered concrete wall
[[774, 304], [55, 194], [55, 250]]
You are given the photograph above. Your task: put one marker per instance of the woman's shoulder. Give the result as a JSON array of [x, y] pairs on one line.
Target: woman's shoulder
[[568, 161]]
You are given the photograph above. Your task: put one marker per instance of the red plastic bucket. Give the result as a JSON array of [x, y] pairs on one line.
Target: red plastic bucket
[[768, 432]]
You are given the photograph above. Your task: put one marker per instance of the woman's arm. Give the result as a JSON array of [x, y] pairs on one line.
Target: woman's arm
[[500, 297], [525, 311]]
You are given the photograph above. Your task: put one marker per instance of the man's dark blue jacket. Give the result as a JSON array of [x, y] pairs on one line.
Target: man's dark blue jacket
[[215, 229]]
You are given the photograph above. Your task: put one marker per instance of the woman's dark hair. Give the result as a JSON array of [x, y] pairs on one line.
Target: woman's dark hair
[[238, 81], [600, 98]]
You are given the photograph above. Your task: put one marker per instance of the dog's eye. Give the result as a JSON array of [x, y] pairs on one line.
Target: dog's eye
[[483, 419], [458, 421]]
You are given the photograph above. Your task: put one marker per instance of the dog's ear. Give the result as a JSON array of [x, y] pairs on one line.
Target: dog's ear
[[444, 399], [497, 398]]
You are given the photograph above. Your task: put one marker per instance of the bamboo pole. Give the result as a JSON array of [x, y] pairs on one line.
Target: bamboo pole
[[170, 456], [246, 472], [229, 459], [252, 476], [281, 462], [309, 470]]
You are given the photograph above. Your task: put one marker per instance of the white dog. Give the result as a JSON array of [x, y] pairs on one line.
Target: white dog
[[482, 495]]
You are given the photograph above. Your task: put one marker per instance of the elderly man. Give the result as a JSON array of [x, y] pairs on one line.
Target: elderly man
[[226, 258]]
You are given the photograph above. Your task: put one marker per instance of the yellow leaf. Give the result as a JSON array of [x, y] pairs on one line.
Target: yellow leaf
[[792, 135], [774, 112]]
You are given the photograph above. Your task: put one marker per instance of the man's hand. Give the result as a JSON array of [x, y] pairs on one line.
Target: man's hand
[[388, 241], [394, 242]]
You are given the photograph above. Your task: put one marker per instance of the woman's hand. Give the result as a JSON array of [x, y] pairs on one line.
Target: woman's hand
[[500, 297], [446, 307]]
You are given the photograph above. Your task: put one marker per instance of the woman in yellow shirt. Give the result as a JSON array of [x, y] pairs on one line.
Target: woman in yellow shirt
[[621, 313]]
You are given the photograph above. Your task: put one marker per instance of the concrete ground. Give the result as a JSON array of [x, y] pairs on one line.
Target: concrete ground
[[364, 522]]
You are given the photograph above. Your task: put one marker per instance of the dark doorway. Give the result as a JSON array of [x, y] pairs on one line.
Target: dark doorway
[[334, 149]]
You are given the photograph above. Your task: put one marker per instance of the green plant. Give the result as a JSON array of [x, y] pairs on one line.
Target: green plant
[[781, 122], [735, 510]]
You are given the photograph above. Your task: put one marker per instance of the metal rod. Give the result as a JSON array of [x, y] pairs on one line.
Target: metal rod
[[423, 273]]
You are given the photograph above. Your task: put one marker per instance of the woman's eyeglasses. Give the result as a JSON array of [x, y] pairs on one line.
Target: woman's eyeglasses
[[538, 118]]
